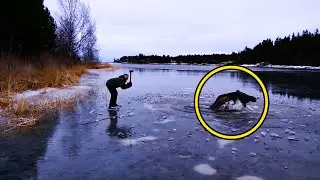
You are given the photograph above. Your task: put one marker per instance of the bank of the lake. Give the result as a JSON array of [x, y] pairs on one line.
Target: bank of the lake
[[53, 88]]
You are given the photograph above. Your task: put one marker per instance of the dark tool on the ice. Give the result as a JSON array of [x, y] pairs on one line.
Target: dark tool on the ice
[[130, 74]]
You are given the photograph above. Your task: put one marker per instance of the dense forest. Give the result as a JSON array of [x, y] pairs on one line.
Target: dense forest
[[302, 48], [29, 30]]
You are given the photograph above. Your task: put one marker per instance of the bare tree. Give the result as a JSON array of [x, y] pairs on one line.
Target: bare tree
[[76, 31], [89, 49]]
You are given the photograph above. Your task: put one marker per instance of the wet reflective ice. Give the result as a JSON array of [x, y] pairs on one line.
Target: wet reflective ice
[[156, 135]]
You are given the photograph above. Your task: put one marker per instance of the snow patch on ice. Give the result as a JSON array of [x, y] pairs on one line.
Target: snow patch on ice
[[205, 169], [248, 178], [36, 97], [164, 121], [51, 93], [283, 66], [185, 156], [188, 90], [129, 142], [222, 143], [155, 130], [149, 106]]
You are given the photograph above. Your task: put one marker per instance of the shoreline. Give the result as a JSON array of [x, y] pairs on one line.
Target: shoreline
[[27, 108], [283, 66], [300, 67]]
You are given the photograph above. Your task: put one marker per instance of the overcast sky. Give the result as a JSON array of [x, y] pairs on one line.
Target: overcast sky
[[173, 27]]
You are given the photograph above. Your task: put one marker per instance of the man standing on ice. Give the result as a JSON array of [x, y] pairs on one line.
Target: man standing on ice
[[112, 85]]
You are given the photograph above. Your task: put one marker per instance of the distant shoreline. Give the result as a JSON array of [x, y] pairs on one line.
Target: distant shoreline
[[300, 67]]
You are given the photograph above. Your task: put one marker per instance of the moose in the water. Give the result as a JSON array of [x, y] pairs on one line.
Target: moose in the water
[[233, 96]]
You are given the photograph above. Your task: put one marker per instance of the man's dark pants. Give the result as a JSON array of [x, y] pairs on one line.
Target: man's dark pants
[[114, 94]]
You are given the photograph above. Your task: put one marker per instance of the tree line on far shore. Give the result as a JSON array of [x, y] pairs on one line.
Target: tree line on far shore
[[28, 31], [302, 48]]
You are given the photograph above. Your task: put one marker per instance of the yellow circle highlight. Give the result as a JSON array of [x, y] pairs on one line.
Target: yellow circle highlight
[[216, 133]]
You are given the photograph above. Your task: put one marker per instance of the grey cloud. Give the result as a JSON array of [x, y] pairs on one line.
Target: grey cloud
[[126, 27]]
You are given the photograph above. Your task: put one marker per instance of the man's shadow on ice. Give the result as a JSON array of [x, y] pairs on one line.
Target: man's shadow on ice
[[113, 130]]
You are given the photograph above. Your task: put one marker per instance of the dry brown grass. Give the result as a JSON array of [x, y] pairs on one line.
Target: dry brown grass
[[18, 75], [100, 66], [29, 77], [24, 113]]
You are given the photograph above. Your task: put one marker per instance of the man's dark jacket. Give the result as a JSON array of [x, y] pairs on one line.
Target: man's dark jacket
[[118, 82]]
